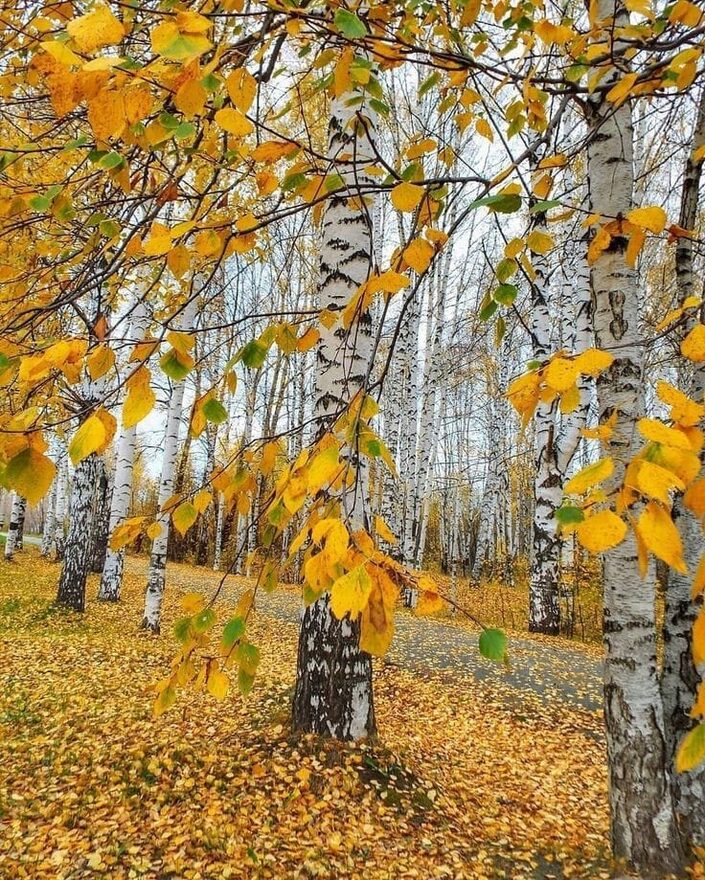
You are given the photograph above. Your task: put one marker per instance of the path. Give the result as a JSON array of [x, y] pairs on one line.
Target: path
[[551, 672]]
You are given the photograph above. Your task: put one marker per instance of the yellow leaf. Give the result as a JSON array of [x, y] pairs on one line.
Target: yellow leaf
[[652, 218], [100, 361], [523, 394], [349, 593], [184, 516], [684, 410], [202, 500], [657, 432], [242, 88], [30, 474], [570, 400], [600, 243], [406, 196], [593, 361], [169, 42], [601, 531], [659, 533], [539, 242], [178, 260], [389, 282], [418, 254], [429, 602], [589, 476], [154, 530], [96, 29], [88, 439], [217, 682], [106, 114], [657, 482], [235, 123], [271, 151], [377, 624], [621, 90], [322, 468], [693, 346], [482, 127], [190, 99], [383, 530], [192, 603], [694, 498], [138, 404], [691, 751], [561, 373]]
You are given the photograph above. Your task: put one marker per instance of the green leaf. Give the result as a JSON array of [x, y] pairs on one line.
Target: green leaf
[[349, 24], [253, 354], [245, 681], [567, 515], [214, 411], [182, 628], [488, 309], [204, 620], [493, 644], [542, 207], [176, 365], [507, 203], [505, 294], [505, 269], [232, 631]]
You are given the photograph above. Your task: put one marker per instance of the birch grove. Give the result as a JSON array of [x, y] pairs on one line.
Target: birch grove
[[397, 308]]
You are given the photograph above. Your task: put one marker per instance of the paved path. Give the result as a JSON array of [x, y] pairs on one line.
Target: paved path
[[554, 672]]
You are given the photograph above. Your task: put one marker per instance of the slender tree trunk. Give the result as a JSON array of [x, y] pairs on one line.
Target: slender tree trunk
[[79, 547], [49, 522], [679, 676], [111, 578], [60, 510], [333, 695], [156, 576], [101, 517], [644, 831], [16, 517]]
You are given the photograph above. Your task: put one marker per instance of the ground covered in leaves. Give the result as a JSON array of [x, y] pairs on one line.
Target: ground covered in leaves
[[467, 781]]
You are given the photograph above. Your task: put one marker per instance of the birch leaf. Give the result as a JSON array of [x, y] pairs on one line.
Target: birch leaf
[[661, 537], [698, 587], [418, 254], [657, 482], [138, 404], [184, 516], [234, 122], [693, 346], [406, 196], [88, 439], [100, 361], [30, 474], [691, 752], [349, 593], [657, 432], [652, 218], [589, 476], [601, 531], [217, 683], [96, 29]]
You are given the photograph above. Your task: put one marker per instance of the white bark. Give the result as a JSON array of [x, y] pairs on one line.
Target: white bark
[[156, 576], [644, 832], [19, 505], [111, 579], [334, 678]]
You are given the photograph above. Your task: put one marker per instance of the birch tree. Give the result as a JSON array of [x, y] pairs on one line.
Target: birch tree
[[644, 828], [333, 695]]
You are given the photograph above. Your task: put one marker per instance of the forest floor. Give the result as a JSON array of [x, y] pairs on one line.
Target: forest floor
[[478, 772]]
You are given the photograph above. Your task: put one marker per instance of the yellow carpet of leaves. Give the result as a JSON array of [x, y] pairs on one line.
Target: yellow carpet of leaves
[[466, 781]]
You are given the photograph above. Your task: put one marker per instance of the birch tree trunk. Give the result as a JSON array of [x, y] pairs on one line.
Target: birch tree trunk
[[333, 695], [101, 517], [544, 607], [60, 511], [49, 522], [156, 576], [79, 547], [679, 676], [19, 505], [644, 831], [111, 579]]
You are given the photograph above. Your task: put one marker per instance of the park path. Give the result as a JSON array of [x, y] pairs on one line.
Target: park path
[[539, 667]]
